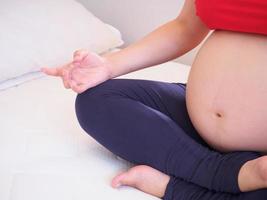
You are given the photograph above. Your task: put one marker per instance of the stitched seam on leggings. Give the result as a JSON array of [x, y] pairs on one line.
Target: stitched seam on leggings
[[195, 171], [154, 101], [139, 99], [170, 153], [120, 94], [171, 116], [166, 109]]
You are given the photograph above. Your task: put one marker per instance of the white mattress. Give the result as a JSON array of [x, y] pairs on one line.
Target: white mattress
[[45, 155]]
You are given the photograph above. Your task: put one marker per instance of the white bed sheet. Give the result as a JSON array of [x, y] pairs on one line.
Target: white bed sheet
[[44, 154]]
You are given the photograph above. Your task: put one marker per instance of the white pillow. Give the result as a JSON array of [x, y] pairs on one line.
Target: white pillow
[[38, 33]]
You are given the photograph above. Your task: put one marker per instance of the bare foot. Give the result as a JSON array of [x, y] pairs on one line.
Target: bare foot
[[144, 178], [253, 175]]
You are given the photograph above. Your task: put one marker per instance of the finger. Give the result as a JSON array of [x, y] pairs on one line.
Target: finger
[[77, 74], [78, 88], [79, 55], [76, 64], [66, 79], [92, 59], [51, 71]]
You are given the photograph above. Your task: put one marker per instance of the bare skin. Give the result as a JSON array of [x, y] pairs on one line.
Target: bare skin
[[144, 178], [178, 37], [227, 91], [252, 176], [154, 182]]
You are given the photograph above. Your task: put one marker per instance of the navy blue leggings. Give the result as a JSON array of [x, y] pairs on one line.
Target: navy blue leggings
[[146, 122]]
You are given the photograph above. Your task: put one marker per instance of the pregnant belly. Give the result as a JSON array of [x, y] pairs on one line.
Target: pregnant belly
[[226, 93]]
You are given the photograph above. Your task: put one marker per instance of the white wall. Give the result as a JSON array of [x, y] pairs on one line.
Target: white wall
[[136, 18]]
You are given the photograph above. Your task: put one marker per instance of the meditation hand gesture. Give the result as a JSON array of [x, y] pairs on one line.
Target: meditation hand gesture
[[85, 71]]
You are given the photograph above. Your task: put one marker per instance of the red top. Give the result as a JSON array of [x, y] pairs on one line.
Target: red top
[[234, 15]]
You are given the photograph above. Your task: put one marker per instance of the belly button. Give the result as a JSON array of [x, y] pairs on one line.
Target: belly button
[[218, 115]]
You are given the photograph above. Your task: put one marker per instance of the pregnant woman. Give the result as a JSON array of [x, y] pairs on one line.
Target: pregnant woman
[[190, 141]]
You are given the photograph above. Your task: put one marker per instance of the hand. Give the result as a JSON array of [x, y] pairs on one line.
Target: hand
[[85, 71]]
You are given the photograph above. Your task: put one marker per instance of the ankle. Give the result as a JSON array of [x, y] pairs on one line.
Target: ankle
[[253, 175], [261, 167]]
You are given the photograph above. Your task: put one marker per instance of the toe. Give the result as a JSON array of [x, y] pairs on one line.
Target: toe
[[121, 179], [144, 178], [116, 181]]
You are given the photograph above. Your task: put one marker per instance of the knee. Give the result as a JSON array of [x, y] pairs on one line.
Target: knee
[[97, 92], [81, 110], [90, 104]]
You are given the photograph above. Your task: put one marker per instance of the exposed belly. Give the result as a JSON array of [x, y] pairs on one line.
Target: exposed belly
[[227, 91]]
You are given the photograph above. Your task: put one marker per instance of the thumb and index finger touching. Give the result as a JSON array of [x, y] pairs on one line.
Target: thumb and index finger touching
[[85, 58], [80, 55]]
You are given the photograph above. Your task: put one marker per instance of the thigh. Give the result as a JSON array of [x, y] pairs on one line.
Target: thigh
[[167, 98], [146, 122]]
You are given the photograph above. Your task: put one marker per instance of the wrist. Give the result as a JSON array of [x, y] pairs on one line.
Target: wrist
[[109, 64]]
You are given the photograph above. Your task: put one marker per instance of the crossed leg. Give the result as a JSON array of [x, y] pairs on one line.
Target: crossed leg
[[146, 122]]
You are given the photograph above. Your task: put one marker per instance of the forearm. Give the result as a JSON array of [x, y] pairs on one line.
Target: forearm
[[165, 43]]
